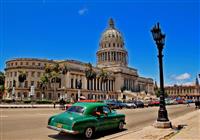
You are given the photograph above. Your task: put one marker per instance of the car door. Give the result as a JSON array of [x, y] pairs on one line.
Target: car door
[[100, 118], [110, 118]]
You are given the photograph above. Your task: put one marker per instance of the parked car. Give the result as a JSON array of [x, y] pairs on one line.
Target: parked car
[[180, 101], [120, 104], [169, 101], [87, 118], [138, 103], [154, 103], [111, 104], [146, 103], [130, 104]]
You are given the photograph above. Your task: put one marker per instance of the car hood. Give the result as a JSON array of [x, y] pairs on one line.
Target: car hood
[[67, 117]]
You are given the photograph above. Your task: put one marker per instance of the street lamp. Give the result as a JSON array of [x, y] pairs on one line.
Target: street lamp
[[159, 38]]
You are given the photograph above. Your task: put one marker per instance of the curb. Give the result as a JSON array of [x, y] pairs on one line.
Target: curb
[[29, 106]]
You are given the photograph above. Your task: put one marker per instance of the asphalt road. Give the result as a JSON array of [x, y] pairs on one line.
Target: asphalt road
[[30, 124]]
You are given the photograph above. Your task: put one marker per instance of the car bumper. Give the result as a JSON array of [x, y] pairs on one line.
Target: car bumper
[[62, 130]]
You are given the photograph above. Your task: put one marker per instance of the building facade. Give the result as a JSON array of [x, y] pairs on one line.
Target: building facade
[[184, 91], [112, 57]]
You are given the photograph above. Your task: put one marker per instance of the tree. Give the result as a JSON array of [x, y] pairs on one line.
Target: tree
[[157, 92], [63, 69], [2, 78], [104, 76], [90, 74], [123, 88], [52, 75], [21, 77], [44, 83]]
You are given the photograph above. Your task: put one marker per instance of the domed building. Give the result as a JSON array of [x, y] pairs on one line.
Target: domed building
[[112, 51], [107, 80]]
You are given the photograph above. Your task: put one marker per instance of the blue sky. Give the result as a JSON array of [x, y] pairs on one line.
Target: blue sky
[[61, 29]]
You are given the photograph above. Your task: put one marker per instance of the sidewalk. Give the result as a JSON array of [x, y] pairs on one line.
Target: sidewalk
[[190, 130]]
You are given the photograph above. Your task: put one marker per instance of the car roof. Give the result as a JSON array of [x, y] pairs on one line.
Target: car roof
[[89, 107]]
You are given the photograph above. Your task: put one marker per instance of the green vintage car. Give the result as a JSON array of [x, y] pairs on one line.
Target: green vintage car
[[87, 118]]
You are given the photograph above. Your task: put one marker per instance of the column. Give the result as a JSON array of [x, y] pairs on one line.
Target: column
[[95, 84], [108, 85]]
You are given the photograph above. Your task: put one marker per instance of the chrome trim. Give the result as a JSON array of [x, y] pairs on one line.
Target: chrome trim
[[62, 130]]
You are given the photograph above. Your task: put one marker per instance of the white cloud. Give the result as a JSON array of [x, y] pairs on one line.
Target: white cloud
[[82, 11], [183, 76]]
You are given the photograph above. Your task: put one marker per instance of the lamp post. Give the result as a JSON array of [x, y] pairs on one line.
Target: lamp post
[[159, 38]]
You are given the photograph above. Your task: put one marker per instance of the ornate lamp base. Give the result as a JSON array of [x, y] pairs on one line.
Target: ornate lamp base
[[159, 124]]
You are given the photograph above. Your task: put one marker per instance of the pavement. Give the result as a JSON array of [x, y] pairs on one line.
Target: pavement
[[186, 127], [30, 105]]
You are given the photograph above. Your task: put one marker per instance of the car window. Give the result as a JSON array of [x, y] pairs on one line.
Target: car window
[[106, 109], [76, 109]]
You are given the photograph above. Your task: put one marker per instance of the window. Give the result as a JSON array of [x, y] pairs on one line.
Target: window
[[11, 64], [32, 83], [26, 63], [19, 95], [21, 63], [38, 74], [10, 84], [10, 74], [72, 82], [15, 74], [39, 64], [106, 109], [33, 63], [76, 109], [16, 63], [38, 84], [26, 84], [76, 84], [32, 73]]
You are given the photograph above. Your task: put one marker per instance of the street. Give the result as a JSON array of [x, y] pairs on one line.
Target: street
[[25, 124]]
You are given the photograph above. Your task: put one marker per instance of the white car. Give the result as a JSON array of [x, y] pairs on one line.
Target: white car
[[130, 105]]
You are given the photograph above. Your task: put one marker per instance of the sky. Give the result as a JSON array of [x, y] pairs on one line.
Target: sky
[[71, 29]]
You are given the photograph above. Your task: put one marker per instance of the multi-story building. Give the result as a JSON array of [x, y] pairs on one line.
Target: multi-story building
[[112, 57], [184, 91]]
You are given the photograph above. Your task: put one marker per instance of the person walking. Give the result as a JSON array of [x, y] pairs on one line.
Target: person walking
[[188, 103]]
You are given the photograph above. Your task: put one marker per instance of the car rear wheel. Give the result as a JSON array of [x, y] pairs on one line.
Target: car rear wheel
[[121, 125], [89, 131]]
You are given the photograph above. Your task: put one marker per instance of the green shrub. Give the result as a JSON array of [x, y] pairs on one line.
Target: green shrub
[[7, 101], [27, 101]]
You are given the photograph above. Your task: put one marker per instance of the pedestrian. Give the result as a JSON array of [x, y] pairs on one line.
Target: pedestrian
[[54, 104], [196, 103], [188, 103]]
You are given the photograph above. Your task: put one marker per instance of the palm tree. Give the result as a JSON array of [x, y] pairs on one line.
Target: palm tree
[[104, 76], [52, 73], [2, 81], [44, 83], [90, 74], [63, 69]]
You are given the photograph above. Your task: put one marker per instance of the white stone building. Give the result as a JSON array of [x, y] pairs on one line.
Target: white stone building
[[112, 57]]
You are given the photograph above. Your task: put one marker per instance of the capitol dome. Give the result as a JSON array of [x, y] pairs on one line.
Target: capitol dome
[[111, 48]]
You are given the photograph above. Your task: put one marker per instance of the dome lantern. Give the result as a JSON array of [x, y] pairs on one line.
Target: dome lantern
[[111, 24]]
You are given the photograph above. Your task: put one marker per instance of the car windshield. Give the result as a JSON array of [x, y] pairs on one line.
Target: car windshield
[[76, 109]]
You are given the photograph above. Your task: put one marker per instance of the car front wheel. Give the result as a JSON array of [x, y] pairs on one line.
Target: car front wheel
[[89, 132]]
